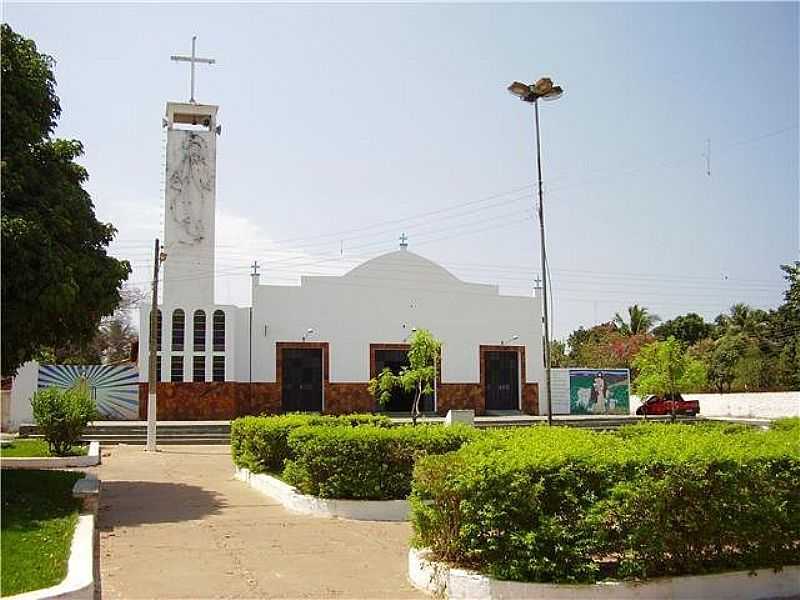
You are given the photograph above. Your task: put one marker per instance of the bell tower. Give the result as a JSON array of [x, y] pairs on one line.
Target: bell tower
[[190, 197]]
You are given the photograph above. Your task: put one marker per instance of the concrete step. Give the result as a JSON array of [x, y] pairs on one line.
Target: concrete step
[[161, 438], [172, 441], [187, 429], [219, 432], [166, 430]]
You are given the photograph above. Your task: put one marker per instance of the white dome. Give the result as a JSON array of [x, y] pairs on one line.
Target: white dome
[[402, 265]]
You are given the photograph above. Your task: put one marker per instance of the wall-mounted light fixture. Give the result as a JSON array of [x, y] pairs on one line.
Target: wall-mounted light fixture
[[413, 331], [513, 338], [309, 332]]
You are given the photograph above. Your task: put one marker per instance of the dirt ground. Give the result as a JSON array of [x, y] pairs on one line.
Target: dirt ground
[[176, 524]]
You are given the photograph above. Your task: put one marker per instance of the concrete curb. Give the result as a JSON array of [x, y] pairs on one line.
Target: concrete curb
[[356, 510], [442, 581], [91, 459], [79, 583]]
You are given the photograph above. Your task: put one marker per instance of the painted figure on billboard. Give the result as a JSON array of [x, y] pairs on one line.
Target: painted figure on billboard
[[599, 391]]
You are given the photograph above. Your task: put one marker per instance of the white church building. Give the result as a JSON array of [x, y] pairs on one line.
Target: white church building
[[315, 346]]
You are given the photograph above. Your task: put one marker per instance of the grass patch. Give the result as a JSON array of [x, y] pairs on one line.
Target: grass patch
[[35, 447], [39, 516]]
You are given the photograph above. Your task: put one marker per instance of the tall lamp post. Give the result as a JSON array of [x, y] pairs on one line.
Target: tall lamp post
[[532, 93]]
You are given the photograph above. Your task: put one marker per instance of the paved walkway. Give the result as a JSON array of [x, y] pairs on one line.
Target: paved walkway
[[177, 525]]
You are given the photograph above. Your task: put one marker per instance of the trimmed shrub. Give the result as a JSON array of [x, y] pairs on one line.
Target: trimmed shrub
[[260, 443], [61, 415], [566, 505], [356, 419], [365, 462]]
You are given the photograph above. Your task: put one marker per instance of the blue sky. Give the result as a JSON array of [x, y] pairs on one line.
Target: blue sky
[[345, 125]]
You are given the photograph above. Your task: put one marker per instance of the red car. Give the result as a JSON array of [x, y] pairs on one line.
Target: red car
[[662, 405]]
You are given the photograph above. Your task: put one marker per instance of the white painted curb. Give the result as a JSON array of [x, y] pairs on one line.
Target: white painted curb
[[356, 510], [79, 583], [460, 584], [91, 459]]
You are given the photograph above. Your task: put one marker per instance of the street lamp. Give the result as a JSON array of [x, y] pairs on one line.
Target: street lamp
[[531, 93]]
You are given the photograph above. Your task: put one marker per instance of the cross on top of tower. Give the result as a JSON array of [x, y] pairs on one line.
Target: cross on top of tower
[[403, 241], [193, 59], [255, 267], [538, 282]]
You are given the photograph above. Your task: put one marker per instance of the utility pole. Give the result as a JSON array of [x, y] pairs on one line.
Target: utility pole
[[153, 347]]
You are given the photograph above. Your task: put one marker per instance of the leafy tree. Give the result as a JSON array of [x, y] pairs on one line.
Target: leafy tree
[[558, 354], [111, 342], [785, 330], [792, 295], [722, 367], [640, 321], [689, 329], [752, 371], [58, 280], [788, 363], [591, 347], [418, 377], [604, 346], [666, 369]]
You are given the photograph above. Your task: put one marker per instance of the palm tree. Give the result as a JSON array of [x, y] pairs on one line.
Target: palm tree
[[744, 320], [639, 321]]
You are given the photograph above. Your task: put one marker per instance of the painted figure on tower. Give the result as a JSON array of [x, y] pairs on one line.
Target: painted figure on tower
[[190, 184]]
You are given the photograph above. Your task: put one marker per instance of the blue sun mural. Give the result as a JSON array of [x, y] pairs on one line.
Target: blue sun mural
[[114, 388]]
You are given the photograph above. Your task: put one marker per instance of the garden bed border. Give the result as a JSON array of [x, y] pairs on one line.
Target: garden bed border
[[355, 510], [79, 582], [91, 459], [444, 581]]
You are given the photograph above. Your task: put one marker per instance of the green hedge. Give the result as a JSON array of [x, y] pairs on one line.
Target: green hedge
[[260, 443], [567, 505], [365, 462]]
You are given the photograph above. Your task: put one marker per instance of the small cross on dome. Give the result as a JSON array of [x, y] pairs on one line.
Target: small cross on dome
[[403, 242]]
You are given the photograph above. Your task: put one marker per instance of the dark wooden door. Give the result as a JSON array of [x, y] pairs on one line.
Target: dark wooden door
[[301, 372], [502, 380], [401, 400]]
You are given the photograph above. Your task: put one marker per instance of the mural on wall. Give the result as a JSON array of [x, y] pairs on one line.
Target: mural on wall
[[114, 388], [599, 391]]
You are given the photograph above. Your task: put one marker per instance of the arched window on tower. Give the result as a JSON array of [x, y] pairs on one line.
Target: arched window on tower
[[219, 331], [199, 331], [178, 329]]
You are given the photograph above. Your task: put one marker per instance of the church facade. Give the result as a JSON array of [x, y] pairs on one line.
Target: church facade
[[315, 346]]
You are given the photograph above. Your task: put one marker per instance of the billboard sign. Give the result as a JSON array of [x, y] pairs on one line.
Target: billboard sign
[[599, 391]]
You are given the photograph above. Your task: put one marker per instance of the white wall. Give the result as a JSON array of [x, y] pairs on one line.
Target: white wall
[[559, 387], [764, 405], [371, 303], [23, 387]]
